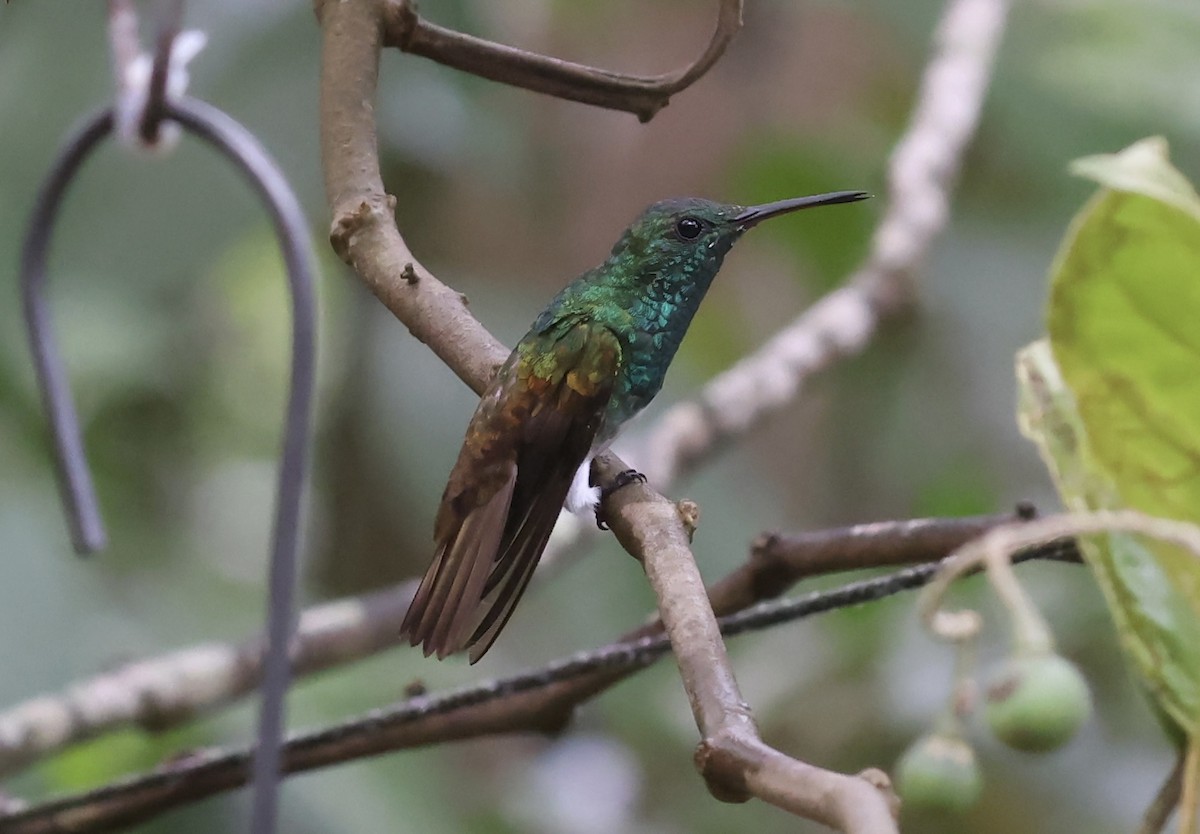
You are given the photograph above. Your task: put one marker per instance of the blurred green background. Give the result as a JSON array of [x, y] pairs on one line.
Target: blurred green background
[[168, 295]]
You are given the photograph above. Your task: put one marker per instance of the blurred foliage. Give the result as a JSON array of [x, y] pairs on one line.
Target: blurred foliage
[[168, 296]]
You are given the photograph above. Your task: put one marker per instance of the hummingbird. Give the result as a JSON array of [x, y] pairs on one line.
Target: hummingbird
[[594, 358]]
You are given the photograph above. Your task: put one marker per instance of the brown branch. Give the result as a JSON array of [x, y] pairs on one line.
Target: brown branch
[[540, 700], [643, 96], [161, 692], [165, 691], [779, 560], [734, 760], [1166, 800], [364, 232]]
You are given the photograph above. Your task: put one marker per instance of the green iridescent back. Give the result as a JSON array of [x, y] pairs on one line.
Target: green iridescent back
[[646, 292]]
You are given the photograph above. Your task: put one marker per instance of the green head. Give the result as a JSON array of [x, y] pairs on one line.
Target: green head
[[653, 282], [685, 239]]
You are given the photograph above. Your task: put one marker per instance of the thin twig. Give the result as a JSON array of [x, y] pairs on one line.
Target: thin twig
[[1188, 798], [643, 96], [172, 689], [779, 560], [520, 703], [156, 106], [1165, 800]]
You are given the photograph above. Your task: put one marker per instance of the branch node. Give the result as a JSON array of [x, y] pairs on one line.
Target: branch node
[[408, 274], [770, 572], [723, 769], [881, 782], [400, 22], [346, 225], [689, 514], [763, 547]]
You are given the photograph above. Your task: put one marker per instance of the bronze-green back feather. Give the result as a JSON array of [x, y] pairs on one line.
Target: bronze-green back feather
[[533, 426]]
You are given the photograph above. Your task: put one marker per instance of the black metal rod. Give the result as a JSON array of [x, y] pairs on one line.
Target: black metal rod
[[87, 530], [75, 480], [240, 147]]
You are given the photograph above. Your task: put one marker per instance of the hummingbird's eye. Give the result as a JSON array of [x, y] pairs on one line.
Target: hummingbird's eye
[[689, 228]]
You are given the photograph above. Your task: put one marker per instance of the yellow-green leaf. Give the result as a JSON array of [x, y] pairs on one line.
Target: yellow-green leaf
[[1157, 627], [1142, 168], [1116, 408]]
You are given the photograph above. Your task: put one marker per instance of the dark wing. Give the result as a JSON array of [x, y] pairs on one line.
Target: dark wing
[[533, 428]]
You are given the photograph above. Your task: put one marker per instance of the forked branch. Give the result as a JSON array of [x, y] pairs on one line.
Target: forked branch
[[643, 96], [170, 690], [540, 700]]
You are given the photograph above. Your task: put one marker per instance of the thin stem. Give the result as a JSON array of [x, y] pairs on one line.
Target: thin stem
[[1163, 805], [156, 106], [497, 707], [1190, 795], [157, 693], [643, 96]]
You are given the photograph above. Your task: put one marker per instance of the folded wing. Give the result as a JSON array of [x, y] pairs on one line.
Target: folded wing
[[534, 426]]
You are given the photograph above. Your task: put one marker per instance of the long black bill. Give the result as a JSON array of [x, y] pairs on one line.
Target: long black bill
[[756, 214]]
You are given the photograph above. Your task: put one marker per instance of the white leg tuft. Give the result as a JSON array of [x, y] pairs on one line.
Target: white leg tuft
[[582, 497]]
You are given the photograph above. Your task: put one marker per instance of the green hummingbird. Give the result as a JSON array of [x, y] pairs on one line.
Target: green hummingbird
[[594, 358]]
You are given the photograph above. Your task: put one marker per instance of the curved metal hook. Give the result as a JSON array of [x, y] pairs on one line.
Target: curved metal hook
[[75, 479], [87, 530]]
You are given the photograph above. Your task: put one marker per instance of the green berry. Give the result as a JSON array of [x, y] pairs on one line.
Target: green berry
[[1037, 702], [939, 773]]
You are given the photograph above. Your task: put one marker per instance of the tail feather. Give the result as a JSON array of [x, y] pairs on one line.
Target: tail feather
[[439, 616], [481, 532], [534, 426], [516, 567]]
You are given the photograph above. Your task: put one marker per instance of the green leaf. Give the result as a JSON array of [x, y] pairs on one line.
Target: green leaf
[[1123, 328], [1114, 403], [1155, 621], [1142, 168]]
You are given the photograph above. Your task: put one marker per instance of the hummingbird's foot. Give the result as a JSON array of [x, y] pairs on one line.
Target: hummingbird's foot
[[623, 479]]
